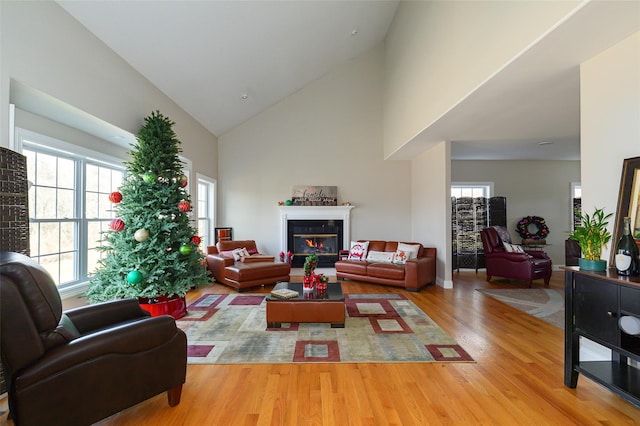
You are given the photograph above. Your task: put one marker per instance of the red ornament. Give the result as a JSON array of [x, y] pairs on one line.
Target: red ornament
[[115, 197], [183, 181], [117, 224], [196, 240], [184, 206]]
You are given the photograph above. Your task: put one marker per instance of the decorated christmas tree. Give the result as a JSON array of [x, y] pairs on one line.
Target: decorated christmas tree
[[151, 249]]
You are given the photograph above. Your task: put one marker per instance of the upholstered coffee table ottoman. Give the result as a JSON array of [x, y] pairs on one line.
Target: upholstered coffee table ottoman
[[326, 306]]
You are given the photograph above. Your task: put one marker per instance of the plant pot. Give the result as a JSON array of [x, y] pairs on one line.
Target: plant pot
[[175, 306], [307, 283], [592, 265]]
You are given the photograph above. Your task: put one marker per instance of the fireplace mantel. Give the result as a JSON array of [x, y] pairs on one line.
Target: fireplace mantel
[[315, 212]]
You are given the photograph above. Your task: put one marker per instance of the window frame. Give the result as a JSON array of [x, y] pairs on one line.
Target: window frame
[[576, 193], [210, 214], [37, 142], [486, 186]]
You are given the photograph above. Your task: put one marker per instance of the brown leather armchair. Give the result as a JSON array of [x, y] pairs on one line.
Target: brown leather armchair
[[80, 366], [258, 269], [528, 266]]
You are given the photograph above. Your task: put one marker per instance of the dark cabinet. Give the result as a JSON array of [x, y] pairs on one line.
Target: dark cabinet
[[594, 303], [595, 307]]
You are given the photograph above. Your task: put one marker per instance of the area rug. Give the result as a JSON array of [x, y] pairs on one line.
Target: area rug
[[544, 303], [232, 329]]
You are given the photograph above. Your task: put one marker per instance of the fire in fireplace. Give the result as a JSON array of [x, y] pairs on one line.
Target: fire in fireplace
[[322, 237]]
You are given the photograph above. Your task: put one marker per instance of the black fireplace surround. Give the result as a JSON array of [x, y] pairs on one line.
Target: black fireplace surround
[[322, 237]]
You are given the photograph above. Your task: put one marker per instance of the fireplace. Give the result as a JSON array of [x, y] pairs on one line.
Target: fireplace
[[322, 237], [321, 229]]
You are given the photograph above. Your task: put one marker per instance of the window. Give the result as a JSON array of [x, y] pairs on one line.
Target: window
[[474, 190], [68, 206], [206, 210], [576, 204]]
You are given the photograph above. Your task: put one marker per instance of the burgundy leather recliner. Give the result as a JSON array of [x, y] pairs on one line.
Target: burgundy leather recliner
[[529, 266], [80, 366]]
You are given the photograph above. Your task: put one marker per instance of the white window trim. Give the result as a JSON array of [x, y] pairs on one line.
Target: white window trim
[[475, 185], [212, 205], [51, 144]]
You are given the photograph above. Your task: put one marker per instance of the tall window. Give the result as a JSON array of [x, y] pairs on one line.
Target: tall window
[[68, 207], [459, 189], [101, 180], [206, 210], [576, 204]]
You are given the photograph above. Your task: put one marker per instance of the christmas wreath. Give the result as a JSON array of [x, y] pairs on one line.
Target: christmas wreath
[[524, 230]]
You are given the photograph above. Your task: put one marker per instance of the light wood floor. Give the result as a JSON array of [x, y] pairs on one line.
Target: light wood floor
[[517, 378]]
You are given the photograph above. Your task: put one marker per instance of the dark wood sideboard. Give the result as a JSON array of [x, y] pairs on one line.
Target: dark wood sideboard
[[594, 302]]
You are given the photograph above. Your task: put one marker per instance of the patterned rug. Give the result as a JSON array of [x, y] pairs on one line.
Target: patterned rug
[[232, 329], [544, 303]]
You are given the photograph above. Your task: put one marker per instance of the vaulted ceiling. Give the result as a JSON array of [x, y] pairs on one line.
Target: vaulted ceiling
[[225, 61]]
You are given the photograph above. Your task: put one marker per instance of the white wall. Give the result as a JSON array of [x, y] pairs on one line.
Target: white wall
[[328, 133], [437, 52], [610, 122], [44, 126], [536, 188], [44, 48], [431, 210]]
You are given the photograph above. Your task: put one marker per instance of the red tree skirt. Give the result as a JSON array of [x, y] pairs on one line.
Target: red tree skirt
[[175, 306]]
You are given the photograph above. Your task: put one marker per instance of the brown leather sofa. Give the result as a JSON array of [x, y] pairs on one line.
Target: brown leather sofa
[[258, 269], [413, 276], [80, 366]]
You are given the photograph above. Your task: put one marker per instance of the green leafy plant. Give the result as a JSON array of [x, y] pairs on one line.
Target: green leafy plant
[[592, 235], [310, 264]]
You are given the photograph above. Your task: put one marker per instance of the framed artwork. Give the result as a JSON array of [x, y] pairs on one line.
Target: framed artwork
[[223, 234], [304, 195], [628, 202]]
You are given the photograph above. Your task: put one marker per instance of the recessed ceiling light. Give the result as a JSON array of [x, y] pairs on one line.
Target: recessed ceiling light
[[354, 32], [244, 96]]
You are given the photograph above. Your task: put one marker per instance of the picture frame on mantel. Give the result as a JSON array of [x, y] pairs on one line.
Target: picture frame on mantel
[[306, 195], [628, 202]]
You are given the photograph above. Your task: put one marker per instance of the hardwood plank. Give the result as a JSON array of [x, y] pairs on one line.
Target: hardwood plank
[[517, 377]]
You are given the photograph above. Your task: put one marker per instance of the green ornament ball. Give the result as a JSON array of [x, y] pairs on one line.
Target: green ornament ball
[[149, 177], [288, 202], [134, 277], [185, 249]]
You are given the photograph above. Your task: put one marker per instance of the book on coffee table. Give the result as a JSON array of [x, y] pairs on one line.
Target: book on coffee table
[[284, 293]]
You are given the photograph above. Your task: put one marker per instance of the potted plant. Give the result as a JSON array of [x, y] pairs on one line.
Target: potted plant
[[592, 235], [310, 264]]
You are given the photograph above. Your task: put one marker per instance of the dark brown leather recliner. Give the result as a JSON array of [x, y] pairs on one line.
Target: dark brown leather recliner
[[572, 252], [80, 366], [528, 266]]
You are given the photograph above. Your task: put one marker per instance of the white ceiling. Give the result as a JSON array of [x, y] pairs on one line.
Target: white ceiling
[[207, 55]]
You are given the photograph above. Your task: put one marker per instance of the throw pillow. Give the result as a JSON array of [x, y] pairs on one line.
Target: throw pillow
[[400, 257], [410, 249], [239, 253], [513, 248], [518, 249], [227, 254], [503, 233], [358, 250], [380, 256]]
